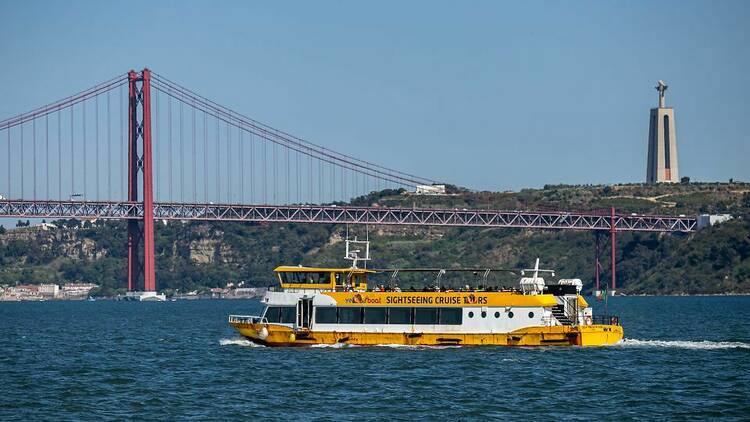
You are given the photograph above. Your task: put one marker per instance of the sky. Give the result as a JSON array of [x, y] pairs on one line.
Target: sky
[[489, 95]]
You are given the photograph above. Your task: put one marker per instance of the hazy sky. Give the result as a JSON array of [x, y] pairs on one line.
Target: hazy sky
[[489, 95]]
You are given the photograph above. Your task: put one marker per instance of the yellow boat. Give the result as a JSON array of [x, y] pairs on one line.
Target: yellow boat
[[331, 306]]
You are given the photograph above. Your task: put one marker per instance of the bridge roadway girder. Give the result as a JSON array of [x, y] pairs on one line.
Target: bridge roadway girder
[[348, 215]]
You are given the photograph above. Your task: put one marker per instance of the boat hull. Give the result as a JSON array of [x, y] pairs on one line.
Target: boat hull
[[561, 335]]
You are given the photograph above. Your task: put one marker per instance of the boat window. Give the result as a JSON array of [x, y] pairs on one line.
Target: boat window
[[281, 314], [287, 314], [510, 314], [325, 315], [359, 279], [350, 315], [451, 316], [484, 314], [425, 315], [399, 315], [497, 314], [375, 315], [306, 277], [471, 314], [531, 315], [272, 314]]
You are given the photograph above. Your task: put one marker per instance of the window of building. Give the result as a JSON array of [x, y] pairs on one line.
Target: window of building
[[399, 316], [325, 315], [425, 315], [350, 315], [451, 316], [375, 315]]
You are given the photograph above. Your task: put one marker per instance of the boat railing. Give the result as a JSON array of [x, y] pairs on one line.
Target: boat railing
[[247, 319], [605, 320]]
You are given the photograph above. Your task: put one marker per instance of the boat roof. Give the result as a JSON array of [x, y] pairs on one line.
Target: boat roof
[[299, 269]]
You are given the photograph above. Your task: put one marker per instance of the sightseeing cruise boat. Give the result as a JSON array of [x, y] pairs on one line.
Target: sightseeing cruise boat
[[335, 306]]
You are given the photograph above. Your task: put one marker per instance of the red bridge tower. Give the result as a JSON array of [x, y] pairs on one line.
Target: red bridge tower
[[140, 161]]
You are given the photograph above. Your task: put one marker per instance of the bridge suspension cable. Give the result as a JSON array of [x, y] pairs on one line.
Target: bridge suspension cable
[[283, 137]]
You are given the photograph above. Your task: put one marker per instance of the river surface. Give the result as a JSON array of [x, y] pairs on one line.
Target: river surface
[[684, 358]]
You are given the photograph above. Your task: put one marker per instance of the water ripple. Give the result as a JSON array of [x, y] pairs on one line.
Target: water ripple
[[684, 358]]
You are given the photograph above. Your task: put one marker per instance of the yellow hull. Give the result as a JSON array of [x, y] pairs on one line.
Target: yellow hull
[[590, 335]]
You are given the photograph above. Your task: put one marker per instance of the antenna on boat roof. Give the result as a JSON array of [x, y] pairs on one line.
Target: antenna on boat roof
[[357, 250], [535, 284]]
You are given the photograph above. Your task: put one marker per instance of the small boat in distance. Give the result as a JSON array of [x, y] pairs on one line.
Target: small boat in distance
[[335, 306]]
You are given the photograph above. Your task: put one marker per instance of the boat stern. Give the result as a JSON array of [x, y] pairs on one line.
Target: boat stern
[[600, 335]]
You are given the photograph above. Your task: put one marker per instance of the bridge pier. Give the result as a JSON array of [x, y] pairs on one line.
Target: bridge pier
[[598, 249], [140, 162]]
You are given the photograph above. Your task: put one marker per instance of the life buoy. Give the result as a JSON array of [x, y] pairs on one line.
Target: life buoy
[[587, 320]]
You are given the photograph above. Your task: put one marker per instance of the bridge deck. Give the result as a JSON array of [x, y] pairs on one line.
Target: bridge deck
[[329, 214]]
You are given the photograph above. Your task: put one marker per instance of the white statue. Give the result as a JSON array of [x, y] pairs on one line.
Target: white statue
[[662, 88]]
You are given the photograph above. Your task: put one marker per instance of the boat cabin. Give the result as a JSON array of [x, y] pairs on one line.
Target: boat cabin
[[325, 279]]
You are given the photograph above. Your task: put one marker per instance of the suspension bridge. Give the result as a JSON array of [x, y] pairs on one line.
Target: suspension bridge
[[140, 147]]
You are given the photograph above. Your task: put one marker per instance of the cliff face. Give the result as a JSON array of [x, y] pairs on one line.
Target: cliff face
[[197, 255]]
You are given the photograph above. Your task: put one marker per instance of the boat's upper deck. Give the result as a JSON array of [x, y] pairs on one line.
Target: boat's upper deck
[[350, 286], [317, 278]]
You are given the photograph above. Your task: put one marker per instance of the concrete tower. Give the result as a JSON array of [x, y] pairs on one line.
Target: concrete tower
[[662, 143]]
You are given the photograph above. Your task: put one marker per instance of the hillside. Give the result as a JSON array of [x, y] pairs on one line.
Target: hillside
[[196, 255]]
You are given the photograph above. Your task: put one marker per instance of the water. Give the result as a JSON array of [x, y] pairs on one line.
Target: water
[[684, 358]]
